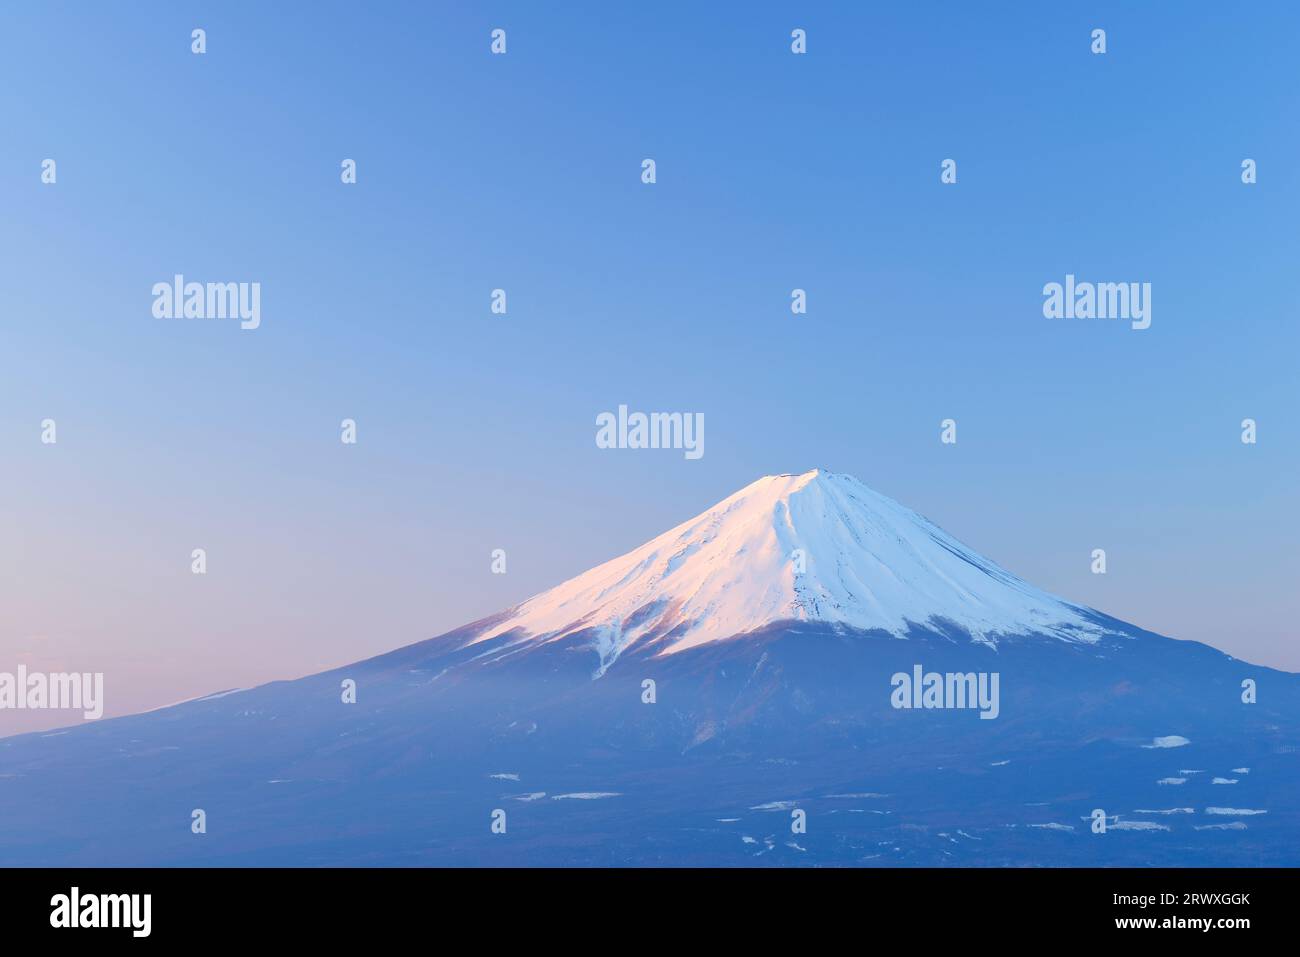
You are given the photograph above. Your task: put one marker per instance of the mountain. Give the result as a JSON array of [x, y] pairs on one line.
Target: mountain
[[807, 673], [812, 547]]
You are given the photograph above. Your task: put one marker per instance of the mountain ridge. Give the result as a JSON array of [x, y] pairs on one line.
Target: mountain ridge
[[811, 546], [698, 756]]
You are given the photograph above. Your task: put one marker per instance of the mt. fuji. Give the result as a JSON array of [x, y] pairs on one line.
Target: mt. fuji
[[787, 678], [816, 547]]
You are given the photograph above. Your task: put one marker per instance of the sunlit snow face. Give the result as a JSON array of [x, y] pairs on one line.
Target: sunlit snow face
[[810, 547]]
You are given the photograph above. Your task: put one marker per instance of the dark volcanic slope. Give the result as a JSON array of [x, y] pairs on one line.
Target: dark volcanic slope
[[797, 716]]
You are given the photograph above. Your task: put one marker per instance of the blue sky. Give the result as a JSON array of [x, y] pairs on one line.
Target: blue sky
[[522, 172]]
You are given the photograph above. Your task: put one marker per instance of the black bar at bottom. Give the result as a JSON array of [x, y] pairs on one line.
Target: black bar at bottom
[[337, 905]]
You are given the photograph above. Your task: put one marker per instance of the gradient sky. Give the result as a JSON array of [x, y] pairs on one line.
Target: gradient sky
[[522, 171]]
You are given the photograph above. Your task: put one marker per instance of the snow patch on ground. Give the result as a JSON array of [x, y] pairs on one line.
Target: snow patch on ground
[[585, 796], [863, 794], [1137, 826], [1233, 811]]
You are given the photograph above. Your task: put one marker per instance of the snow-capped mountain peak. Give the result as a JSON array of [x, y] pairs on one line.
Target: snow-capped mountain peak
[[812, 547]]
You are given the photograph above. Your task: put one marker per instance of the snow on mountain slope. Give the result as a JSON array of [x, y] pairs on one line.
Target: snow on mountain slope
[[867, 562]]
